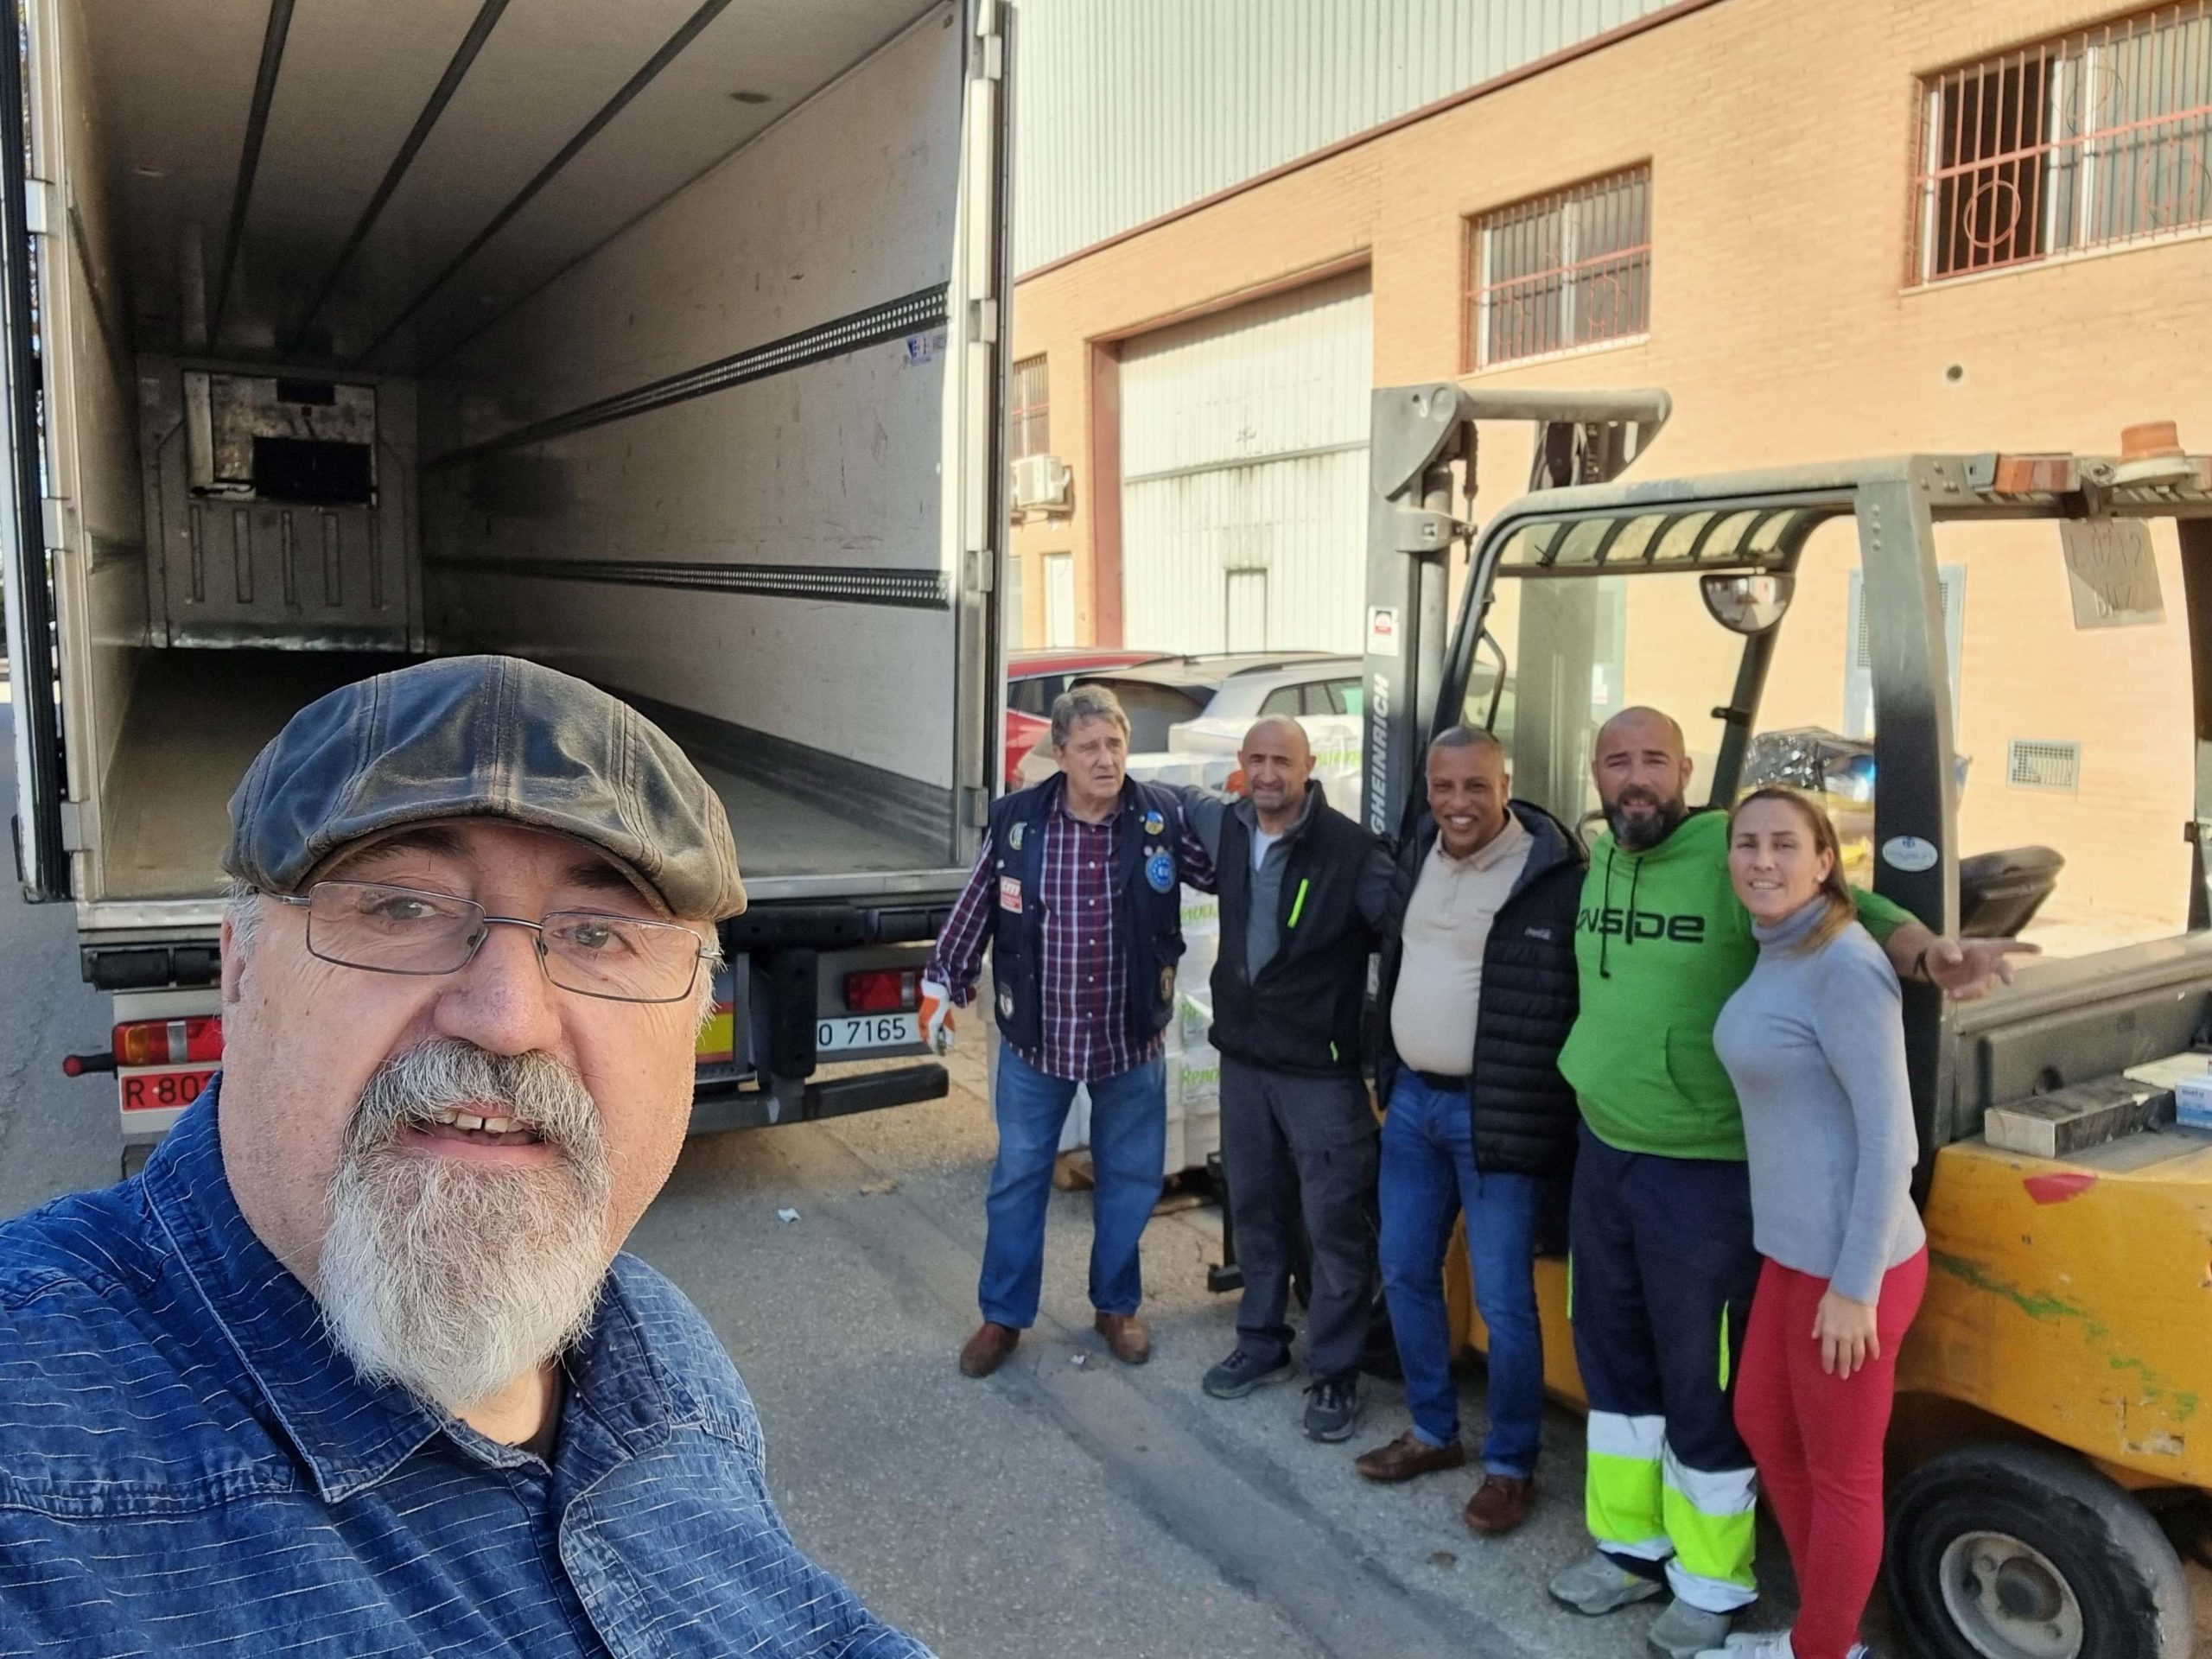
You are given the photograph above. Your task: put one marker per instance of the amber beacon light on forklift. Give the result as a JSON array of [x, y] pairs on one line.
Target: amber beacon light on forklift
[[2051, 1457]]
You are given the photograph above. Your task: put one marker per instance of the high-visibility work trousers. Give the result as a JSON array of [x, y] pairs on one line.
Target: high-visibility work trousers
[[1659, 1287]]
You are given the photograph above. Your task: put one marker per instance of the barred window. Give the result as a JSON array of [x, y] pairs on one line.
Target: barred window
[[1031, 418], [2091, 140], [1569, 268]]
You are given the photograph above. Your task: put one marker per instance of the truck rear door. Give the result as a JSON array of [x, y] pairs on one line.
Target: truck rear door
[[35, 723]]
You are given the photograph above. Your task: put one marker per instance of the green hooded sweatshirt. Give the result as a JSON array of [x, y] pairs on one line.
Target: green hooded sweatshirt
[[1662, 942]]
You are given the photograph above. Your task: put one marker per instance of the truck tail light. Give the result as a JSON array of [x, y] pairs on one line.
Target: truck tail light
[[169, 1042], [884, 990]]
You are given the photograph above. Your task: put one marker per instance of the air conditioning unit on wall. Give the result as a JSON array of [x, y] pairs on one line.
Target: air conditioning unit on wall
[[1041, 483]]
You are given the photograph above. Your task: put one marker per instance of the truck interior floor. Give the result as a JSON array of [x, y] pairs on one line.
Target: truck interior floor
[[196, 719], [780, 833]]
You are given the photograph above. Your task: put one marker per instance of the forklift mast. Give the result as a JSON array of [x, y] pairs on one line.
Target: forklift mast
[[1422, 444]]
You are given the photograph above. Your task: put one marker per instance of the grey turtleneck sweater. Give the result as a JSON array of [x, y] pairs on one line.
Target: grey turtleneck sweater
[[1814, 1043]]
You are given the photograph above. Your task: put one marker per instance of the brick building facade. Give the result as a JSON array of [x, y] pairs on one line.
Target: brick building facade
[[1799, 304]]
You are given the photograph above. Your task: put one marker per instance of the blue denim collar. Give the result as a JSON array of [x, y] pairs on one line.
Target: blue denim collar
[[350, 1433]]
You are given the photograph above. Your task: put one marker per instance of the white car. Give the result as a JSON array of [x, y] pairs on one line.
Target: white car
[[1235, 686]]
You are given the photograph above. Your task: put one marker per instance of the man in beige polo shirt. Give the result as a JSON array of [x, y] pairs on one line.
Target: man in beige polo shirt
[[1478, 979]]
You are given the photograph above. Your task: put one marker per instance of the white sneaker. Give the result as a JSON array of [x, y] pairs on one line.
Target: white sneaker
[[1687, 1633], [1769, 1645], [1599, 1585], [1753, 1644]]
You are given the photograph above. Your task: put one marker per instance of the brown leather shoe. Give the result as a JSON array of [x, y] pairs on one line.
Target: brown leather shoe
[[1499, 1504], [988, 1349], [1126, 1338], [1407, 1456]]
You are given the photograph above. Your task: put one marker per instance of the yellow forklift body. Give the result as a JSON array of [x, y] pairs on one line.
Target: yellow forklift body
[[2072, 1299]]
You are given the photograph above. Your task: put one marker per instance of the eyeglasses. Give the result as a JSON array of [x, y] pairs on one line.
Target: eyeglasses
[[387, 930]]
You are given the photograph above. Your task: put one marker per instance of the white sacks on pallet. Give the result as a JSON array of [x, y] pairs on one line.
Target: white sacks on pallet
[[1194, 1091]]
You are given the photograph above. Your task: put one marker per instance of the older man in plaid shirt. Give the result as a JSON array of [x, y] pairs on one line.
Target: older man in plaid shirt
[[1077, 893]]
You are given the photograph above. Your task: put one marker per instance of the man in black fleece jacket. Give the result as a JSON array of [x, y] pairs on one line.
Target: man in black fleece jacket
[[1303, 892]]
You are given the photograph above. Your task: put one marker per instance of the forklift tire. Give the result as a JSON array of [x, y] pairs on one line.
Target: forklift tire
[[2014, 1552]]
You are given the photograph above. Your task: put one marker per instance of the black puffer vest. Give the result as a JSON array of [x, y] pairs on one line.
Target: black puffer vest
[[1524, 1111]]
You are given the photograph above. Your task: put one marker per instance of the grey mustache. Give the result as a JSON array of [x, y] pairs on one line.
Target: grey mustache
[[537, 1090]]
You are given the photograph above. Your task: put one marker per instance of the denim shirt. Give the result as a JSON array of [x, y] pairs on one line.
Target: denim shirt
[[187, 1464]]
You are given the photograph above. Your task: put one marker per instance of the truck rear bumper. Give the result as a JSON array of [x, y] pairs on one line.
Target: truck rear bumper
[[729, 1106]]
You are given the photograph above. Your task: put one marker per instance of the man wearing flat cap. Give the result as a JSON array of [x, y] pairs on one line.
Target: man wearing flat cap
[[354, 1365]]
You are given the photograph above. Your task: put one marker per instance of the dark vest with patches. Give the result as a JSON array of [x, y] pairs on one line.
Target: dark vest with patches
[[1149, 906], [1302, 1012]]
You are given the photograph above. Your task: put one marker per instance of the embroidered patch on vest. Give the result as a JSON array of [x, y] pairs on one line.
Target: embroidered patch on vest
[[1005, 1003], [1010, 893], [1167, 984], [1160, 870], [1013, 836]]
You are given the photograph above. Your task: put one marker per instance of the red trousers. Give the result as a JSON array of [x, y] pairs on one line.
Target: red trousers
[[1817, 1440]]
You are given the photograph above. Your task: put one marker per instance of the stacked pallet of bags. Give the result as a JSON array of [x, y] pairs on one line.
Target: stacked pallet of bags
[[1193, 1067]]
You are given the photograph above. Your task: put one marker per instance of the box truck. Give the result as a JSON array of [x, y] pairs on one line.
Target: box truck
[[658, 342]]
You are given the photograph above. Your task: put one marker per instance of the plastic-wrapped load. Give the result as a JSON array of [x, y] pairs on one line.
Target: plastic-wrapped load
[[1199, 1086], [1076, 1132], [1194, 1017]]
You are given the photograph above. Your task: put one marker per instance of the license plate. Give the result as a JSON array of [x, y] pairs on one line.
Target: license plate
[[163, 1089], [844, 1030]]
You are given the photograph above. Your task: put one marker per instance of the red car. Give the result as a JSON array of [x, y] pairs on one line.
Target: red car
[[1034, 679]]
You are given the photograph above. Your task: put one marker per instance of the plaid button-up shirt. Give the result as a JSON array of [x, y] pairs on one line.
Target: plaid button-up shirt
[[1084, 960]]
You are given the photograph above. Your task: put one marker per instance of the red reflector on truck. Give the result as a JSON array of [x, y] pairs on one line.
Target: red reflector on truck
[[884, 990], [169, 1042]]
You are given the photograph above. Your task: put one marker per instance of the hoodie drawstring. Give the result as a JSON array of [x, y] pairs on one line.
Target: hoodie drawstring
[[1628, 917], [1605, 934], [1628, 922]]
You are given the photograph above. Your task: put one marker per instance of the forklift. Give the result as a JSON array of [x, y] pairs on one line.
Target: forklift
[[2052, 1443]]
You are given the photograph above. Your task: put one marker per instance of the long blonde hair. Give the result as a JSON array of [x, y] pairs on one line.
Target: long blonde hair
[[1842, 910]]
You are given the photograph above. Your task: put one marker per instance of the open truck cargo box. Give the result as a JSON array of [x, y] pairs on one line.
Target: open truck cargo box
[[656, 342]]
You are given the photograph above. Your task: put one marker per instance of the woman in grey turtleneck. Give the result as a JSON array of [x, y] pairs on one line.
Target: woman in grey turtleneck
[[1814, 1044]]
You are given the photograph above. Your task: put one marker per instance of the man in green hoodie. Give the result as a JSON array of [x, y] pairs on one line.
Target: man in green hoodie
[[1662, 1267]]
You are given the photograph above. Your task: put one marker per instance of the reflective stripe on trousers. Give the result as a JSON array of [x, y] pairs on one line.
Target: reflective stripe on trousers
[[1643, 1504]]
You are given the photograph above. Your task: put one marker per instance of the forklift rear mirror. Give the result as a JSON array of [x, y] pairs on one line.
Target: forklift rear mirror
[[1747, 603]]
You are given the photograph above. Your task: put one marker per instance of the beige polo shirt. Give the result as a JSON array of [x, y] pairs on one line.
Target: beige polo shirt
[[1448, 925]]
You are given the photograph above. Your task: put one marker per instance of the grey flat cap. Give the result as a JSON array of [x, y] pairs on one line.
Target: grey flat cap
[[484, 737]]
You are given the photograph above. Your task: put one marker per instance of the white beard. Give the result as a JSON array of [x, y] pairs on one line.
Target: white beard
[[452, 1278]]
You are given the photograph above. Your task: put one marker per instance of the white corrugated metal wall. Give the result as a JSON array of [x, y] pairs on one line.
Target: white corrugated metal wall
[[1244, 475], [1125, 110]]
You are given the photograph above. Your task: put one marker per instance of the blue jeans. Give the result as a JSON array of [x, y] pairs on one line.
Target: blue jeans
[[1128, 1148], [1428, 1176]]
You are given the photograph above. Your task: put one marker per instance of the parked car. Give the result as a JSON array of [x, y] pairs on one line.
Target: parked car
[[1162, 694], [1035, 678]]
